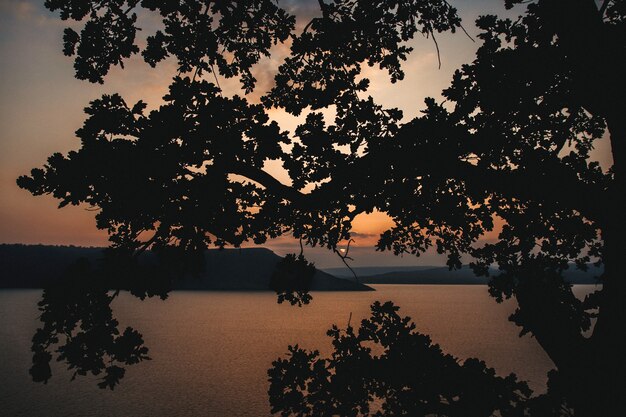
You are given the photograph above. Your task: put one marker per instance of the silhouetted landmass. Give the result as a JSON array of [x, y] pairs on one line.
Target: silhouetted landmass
[[33, 266], [443, 276], [368, 271]]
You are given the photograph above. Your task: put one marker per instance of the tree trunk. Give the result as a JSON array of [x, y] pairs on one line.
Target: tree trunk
[[608, 342], [595, 384]]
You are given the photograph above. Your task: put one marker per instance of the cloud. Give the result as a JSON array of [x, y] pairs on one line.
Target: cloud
[[29, 12], [20, 9]]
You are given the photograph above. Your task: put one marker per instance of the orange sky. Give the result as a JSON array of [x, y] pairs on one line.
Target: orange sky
[[41, 106]]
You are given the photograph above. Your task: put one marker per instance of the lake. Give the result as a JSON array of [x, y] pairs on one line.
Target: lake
[[211, 350]]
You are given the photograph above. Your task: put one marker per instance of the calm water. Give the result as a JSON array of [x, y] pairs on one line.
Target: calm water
[[211, 350]]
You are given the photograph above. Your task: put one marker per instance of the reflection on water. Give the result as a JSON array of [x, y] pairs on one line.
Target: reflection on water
[[211, 350]]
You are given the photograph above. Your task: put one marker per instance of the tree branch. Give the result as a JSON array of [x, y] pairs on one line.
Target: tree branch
[[603, 7], [269, 182], [344, 257]]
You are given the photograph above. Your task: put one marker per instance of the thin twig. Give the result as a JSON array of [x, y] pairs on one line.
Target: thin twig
[[145, 245], [344, 257], [308, 25], [603, 7], [216, 80], [322, 7], [461, 25], [195, 73], [432, 33], [466, 34]]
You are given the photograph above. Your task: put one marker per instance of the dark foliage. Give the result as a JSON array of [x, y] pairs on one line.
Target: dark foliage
[[511, 146], [78, 324], [198, 33], [386, 368], [292, 279], [175, 166]]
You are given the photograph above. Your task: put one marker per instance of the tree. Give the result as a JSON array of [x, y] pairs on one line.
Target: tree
[[511, 145], [387, 369]]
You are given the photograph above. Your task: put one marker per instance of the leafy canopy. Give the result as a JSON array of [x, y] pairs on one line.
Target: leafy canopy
[[508, 153], [192, 171]]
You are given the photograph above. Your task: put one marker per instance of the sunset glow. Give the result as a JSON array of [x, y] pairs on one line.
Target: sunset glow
[[41, 106]]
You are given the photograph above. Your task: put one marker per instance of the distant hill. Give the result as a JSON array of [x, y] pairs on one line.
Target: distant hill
[[32, 266], [368, 271], [251, 269], [436, 275], [576, 276], [463, 276]]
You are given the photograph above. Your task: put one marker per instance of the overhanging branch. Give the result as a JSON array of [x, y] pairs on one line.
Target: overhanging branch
[[269, 182]]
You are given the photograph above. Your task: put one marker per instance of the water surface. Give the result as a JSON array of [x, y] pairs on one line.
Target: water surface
[[211, 350]]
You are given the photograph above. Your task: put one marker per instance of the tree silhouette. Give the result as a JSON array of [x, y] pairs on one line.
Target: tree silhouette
[[78, 311], [292, 279], [386, 368], [511, 145]]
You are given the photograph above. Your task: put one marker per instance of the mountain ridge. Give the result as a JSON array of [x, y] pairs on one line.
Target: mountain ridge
[[33, 266], [441, 275]]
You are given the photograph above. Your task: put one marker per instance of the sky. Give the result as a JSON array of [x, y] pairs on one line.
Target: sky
[[41, 107]]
